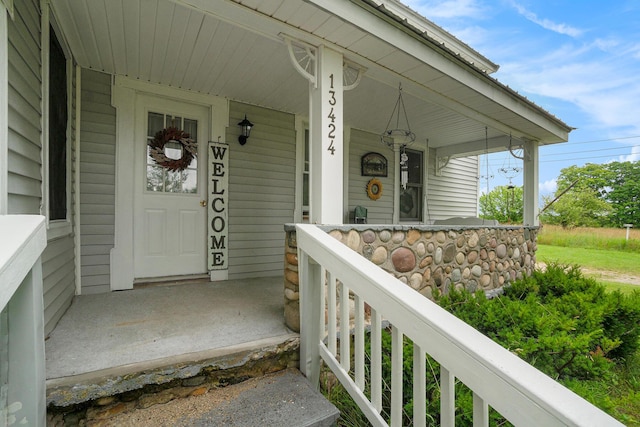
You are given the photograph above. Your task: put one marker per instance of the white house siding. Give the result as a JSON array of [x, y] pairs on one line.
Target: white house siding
[[97, 180], [261, 190], [378, 211], [25, 158], [455, 191], [58, 259]]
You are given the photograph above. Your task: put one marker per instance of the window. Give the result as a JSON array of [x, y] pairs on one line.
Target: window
[[161, 179], [411, 197], [58, 121]]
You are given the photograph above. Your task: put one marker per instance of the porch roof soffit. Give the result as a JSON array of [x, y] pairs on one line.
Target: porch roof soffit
[[364, 32], [458, 79]]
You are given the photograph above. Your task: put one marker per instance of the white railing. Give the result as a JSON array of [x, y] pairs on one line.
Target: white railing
[[497, 378], [22, 366]]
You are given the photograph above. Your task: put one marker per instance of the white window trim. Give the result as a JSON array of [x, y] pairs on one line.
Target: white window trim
[[55, 228], [422, 199]]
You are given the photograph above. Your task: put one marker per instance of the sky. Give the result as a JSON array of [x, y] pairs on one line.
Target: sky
[[577, 59]]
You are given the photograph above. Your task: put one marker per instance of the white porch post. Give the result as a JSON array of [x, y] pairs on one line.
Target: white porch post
[[531, 183], [326, 142]]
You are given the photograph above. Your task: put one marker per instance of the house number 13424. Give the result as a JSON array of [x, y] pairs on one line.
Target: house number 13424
[[332, 127]]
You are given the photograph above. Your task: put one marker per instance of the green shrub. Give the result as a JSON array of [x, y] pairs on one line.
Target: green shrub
[[559, 321]]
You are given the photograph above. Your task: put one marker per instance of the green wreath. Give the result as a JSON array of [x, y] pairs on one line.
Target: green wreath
[[156, 148]]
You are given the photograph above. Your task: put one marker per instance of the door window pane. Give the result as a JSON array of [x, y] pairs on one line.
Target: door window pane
[[159, 178]]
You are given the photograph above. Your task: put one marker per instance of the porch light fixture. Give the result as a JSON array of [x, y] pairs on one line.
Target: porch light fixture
[[246, 126]]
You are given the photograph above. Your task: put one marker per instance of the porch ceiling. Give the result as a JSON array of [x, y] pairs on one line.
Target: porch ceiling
[[235, 49]]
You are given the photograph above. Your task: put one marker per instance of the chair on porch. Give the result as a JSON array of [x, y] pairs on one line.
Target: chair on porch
[[360, 215]]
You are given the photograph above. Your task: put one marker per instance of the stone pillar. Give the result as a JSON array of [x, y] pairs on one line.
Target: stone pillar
[[291, 282], [531, 177], [326, 143]]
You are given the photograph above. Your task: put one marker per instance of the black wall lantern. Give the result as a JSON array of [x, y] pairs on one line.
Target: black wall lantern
[[246, 126]]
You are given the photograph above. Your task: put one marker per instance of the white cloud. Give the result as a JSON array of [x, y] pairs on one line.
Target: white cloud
[[546, 23], [548, 187], [605, 87], [634, 156]]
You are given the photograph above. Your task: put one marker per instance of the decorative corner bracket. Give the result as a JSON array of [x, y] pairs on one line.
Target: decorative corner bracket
[[351, 74], [304, 58], [441, 163]]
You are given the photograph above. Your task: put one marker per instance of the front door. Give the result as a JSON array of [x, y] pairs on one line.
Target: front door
[[170, 189]]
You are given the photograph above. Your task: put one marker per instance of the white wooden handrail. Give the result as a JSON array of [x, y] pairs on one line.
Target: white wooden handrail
[[498, 378], [23, 240], [22, 361]]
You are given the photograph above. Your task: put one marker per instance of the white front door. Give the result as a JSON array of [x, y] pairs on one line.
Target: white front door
[[169, 205]]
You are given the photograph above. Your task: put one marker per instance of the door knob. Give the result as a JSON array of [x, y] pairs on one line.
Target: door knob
[[203, 203]]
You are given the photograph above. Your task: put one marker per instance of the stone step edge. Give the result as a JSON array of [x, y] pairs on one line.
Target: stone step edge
[[170, 371]]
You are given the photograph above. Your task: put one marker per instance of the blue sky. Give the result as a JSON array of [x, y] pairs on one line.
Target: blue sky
[[579, 60]]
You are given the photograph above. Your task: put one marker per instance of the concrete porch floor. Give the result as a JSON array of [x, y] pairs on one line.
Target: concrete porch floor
[[108, 336]]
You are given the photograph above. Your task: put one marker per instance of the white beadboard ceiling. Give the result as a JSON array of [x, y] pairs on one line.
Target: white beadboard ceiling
[[234, 49]]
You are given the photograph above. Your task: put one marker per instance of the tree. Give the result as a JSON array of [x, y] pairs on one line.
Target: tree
[[578, 207], [503, 203], [602, 195], [624, 194]]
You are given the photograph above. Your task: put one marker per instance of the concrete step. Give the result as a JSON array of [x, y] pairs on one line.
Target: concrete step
[[281, 399]]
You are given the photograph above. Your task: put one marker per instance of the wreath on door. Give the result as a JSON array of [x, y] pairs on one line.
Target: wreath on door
[[172, 134]]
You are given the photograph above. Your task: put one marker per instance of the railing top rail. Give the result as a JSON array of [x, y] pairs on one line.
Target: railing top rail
[[24, 237], [516, 389]]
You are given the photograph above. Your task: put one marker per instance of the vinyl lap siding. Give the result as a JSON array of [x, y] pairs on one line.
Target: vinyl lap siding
[[378, 211], [261, 190], [24, 93], [58, 259], [97, 181], [455, 192], [25, 158]]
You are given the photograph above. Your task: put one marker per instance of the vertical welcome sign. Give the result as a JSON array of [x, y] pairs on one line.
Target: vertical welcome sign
[[218, 209]]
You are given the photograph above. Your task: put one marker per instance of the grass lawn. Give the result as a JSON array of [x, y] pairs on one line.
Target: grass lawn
[[597, 259]]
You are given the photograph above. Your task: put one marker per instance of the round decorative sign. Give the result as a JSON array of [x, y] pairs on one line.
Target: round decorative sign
[[374, 189], [172, 134]]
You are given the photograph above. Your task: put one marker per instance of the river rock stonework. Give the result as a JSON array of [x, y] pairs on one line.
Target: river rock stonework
[[430, 259]]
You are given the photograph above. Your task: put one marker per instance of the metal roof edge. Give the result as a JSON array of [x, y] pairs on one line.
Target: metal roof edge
[[402, 23]]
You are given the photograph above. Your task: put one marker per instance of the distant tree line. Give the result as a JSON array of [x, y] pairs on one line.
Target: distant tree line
[[593, 195]]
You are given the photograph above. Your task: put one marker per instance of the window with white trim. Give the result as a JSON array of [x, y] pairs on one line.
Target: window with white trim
[[58, 124], [411, 197]]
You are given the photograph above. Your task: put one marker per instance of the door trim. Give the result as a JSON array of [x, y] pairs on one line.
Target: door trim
[[124, 94]]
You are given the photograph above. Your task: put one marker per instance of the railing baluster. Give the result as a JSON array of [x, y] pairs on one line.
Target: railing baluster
[[396, 377], [480, 412], [447, 398], [376, 360], [345, 339], [359, 341], [419, 386], [332, 313]]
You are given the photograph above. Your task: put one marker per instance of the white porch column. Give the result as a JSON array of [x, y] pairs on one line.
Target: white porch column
[[326, 142], [531, 192]]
